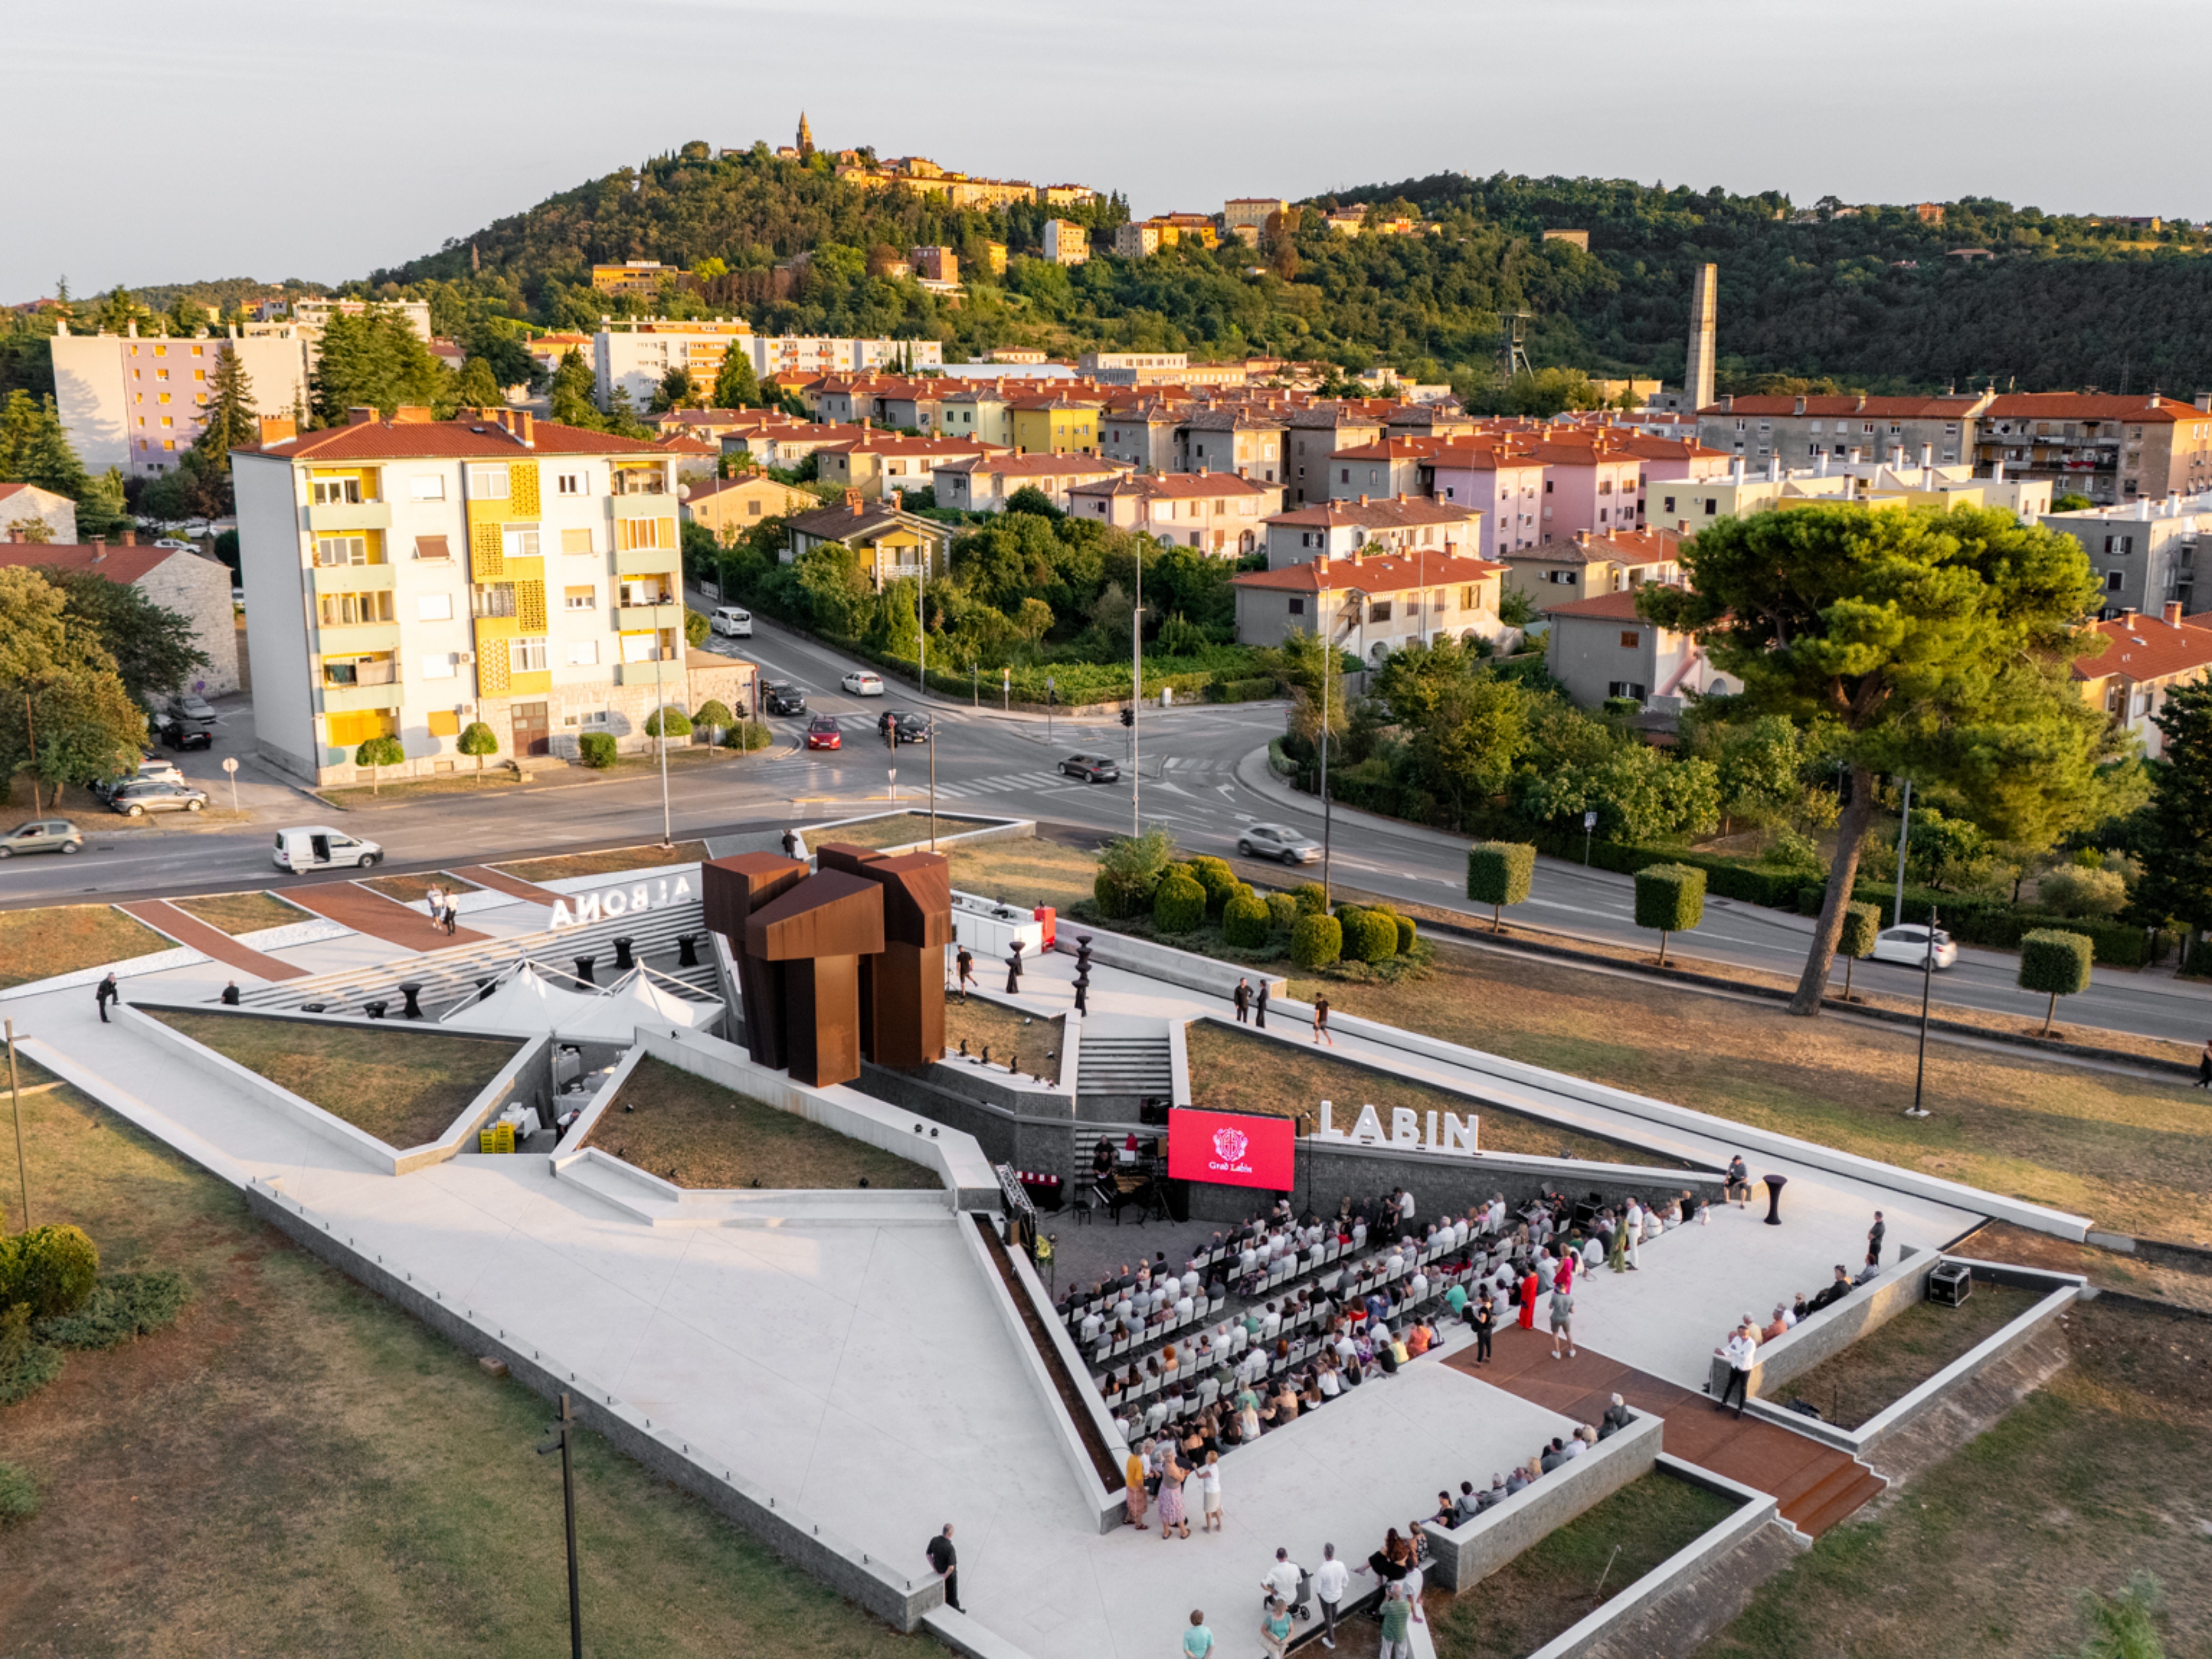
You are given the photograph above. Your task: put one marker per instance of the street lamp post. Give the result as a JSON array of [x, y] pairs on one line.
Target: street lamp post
[[1927, 980], [1903, 829], [660, 724], [562, 1429], [929, 725], [1136, 702]]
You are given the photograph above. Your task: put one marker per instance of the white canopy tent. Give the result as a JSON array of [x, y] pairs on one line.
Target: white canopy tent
[[529, 1003], [634, 1001]]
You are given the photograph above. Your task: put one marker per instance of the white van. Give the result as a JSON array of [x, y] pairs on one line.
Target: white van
[[730, 620], [318, 847]]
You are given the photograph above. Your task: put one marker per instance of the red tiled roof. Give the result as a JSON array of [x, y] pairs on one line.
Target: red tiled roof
[[2091, 406], [1847, 404], [1384, 512], [1009, 464], [1623, 547], [1600, 607], [2149, 648], [1180, 485], [394, 441], [1385, 573], [117, 564], [1392, 449]]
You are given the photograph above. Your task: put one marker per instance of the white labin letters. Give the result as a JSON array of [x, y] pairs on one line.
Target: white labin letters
[[612, 901], [1445, 1133]]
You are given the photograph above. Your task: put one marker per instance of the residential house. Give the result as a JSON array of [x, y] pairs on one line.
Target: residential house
[[1250, 212], [1600, 648], [1395, 523], [1066, 243], [1387, 466], [1134, 368], [1504, 489], [881, 462], [636, 355], [1145, 436], [2145, 553], [1798, 430], [1230, 441], [638, 279], [29, 513], [730, 506], [1587, 486], [981, 484], [2145, 659], [935, 265], [407, 577], [1056, 423], [893, 543], [138, 401], [1216, 512], [195, 585], [1669, 460], [2112, 449], [1312, 434], [1373, 607], [1552, 572]]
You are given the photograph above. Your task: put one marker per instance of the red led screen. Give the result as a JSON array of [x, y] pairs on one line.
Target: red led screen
[[1231, 1149]]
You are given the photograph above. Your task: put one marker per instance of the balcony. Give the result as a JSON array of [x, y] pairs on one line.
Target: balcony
[[352, 699], [647, 561], [346, 639], [352, 579], [669, 673], [639, 618], [350, 515], [643, 506]]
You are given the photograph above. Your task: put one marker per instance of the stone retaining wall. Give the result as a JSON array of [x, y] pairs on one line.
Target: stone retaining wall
[[1461, 1557]]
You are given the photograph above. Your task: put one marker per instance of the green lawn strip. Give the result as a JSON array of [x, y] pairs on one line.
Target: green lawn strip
[[241, 912], [65, 939], [611, 861], [1573, 1570], [1889, 1363], [296, 1467], [2097, 1475], [668, 1120], [1233, 1071], [898, 829], [404, 1087]]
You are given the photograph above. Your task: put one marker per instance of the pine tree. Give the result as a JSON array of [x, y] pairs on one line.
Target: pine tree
[[736, 386], [35, 450], [231, 422], [479, 387], [571, 404]]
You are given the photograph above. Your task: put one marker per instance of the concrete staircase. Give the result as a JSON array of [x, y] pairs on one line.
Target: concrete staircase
[[1822, 1494], [1116, 1070]]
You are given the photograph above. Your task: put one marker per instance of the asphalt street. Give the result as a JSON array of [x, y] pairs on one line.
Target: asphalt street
[[1201, 774]]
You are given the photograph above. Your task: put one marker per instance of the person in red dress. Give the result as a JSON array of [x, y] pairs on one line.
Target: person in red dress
[[1528, 1289]]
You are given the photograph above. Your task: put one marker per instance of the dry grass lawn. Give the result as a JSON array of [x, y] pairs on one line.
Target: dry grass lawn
[[1883, 1367], [894, 830], [297, 1468], [241, 912], [1231, 1070], [2129, 1152], [2095, 1475], [611, 861], [684, 1129], [413, 890], [1558, 1581], [61, 939], [2108, 1270], [404, 1086], [1038, 1045]]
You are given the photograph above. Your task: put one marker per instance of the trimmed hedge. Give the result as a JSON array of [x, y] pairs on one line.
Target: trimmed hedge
[[2054, 963], [1370, 936], [1178, 905], [747, 736], [1218, 878], [50, 1270], [1282, 912], [1316, 940], [1245, 690], [595, 748], [1246, 923], [1311, 898], [1670, 898], [19, 1498], [1499, 873], [27, 1364], [1406, 932]]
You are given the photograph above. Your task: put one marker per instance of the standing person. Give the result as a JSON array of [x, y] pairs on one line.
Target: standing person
[[1281, 1582], [945, 1561], [1741, 1353], [1329, 1581], [963, 969], [1241, 998], [106, 993], [1738, 1182], [452, 910], [1197, 1641], [1530, 1286], [1874, 1235], [1209, 1488], [1563, 1320], [1173, 1474], [1484, 1321], [1321, 1021], [1260, 1021], [1134, 1489], [1014, 968], [435, 900], [2204, 1060], [1396, 1616]]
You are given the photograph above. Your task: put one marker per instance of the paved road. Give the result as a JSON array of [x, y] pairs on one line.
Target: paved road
[[1197, 777]]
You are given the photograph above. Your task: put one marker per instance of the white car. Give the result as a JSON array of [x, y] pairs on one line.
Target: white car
[[862, 684], [1909, 945], [730, 620], [318, 847]]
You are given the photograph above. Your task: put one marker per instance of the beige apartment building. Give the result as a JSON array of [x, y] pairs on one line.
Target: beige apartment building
[[1217, 513], [727, 508], [1798, 431], [408, 577], [2114, 450]]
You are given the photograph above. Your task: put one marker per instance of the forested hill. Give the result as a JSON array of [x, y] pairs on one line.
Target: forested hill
[[1872, 298]]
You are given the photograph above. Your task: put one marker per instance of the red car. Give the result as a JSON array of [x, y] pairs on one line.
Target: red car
[[822, 732]]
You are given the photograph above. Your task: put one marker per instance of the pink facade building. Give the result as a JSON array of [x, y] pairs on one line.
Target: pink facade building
[[1506, 489]]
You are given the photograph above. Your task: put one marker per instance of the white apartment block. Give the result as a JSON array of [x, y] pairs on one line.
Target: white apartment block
[[637, 356], [138, 401], [408, 577]]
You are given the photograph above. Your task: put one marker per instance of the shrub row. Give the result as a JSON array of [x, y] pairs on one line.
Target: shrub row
[[50, 1270], [1994, 925]]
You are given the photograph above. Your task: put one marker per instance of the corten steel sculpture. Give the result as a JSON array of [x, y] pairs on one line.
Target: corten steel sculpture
[[839, 965], [902, 990], [730, 891]]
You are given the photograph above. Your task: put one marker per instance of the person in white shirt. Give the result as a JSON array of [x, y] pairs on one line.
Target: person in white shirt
[[1741, 1352], [1405, 1209], [1358, 1234], [1271, 1324], [1329, 1582], [1248, 1260], [1207, 1478], [1420, 1286], [1092, 1326], [1190, 1279], [1329, 1384], [1184, 1308], [1239, 1339]]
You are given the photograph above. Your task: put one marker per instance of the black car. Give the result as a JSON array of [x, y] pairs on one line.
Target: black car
[[1092, 768], [782, 697], [180, 736], [909, 728]]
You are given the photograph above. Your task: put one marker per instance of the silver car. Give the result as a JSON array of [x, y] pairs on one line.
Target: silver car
[[1280, 842], [42, 835], [135, 800]]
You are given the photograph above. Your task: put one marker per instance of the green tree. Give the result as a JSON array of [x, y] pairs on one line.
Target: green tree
[[2177, 843], [714, 715], [375, 360], [152, 648], [1903, 629], [570, 401], [735, 386], [65, 716], [1861, 927], [1499, 873], [231, 422], [479, 740], [670, 721], [479, 387], [621, 418], [376, 754], [2057, 962], [35, 450], [838, 592], [1030, 498], [1670, 898], [676, 390]]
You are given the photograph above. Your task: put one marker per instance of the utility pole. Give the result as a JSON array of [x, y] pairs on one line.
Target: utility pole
[[31, 737], [562, 1431], [1136, 700], [1327, 624], [1904, 828], [929, 725], [16, 1094], [1927, 980], [660, 723]]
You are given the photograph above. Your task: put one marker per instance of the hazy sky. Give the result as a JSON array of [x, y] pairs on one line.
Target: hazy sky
[[320, 140]]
